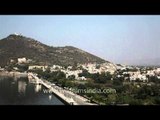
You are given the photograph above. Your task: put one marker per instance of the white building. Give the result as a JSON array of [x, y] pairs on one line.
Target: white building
[[141, 77], [1, 69], [150, 73], [158, 70], [158, 77], [69, 67], [11, 61], [22, 60], [81, 78], [15, 68], [17, 34], [37, 67], [132, 78], [56, 68]]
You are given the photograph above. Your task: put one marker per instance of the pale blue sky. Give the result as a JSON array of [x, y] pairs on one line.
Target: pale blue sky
[[127, 39]]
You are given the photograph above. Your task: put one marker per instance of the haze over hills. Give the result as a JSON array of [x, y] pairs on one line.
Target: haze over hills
[[15, 46], [147, 62]]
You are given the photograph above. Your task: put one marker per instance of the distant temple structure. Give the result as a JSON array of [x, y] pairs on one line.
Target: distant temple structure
[[18, 34]]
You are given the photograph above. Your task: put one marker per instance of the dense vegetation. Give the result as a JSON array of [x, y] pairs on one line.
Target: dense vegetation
[[123, 94]]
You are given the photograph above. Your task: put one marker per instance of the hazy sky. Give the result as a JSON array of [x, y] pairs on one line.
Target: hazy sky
[[118, 38]]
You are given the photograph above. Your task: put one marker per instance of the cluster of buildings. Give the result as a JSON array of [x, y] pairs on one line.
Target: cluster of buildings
[[99, 68], [21, 60], [37, 67], [1, 69], [139, 74], [90, 67]]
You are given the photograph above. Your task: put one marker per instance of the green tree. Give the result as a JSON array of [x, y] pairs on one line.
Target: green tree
[[117, 82], [111, 99], [108, 75], [157, 100], [144, 92], [71, 77], [84, 73]]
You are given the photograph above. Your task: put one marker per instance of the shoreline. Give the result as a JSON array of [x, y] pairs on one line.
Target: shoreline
[[64, 95], [13, 74]]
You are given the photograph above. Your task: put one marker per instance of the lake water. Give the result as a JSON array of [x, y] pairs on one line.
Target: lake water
[[21, 92]]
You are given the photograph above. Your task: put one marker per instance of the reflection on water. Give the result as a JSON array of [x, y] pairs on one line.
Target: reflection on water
[[21, 87], [50, 97], [38, 87], [21, 92]]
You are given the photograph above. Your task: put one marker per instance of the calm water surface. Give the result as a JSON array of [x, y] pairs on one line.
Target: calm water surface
[[21, 92]]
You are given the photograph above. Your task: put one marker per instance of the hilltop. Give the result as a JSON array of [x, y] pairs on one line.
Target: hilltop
[[16, 46]]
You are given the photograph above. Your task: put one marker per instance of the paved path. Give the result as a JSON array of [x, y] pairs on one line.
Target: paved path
[[64, 94]]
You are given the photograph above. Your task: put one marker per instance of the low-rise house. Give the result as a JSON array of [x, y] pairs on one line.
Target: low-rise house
[[158, 70], [150, 72], [69, 73], [56, 68], [140, 77], [119, 76], [158, 77], [81, 78], [15, 68], [29, 60], [69, 67], [37, 67], [143, 78], [1, 69], [12, 61], [22, 60], [132, 78]]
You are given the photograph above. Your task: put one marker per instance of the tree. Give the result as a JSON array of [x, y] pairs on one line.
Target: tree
[[117, 82], [84, 73], [22, 67], [111, 99], [97, 66], [108, 75], [102, 78], [74, 65], [80, 67], [48, 70], [69, 84], [9, 68], [153, 79], [144, 92], [62, 82], [157, 100], [61, 75], [71, 77]]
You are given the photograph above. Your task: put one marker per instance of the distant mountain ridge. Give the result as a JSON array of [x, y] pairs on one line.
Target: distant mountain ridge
[[16, 46], [145, 62]]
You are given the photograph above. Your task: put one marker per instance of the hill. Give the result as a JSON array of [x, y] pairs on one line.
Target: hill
[[17, 46]]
